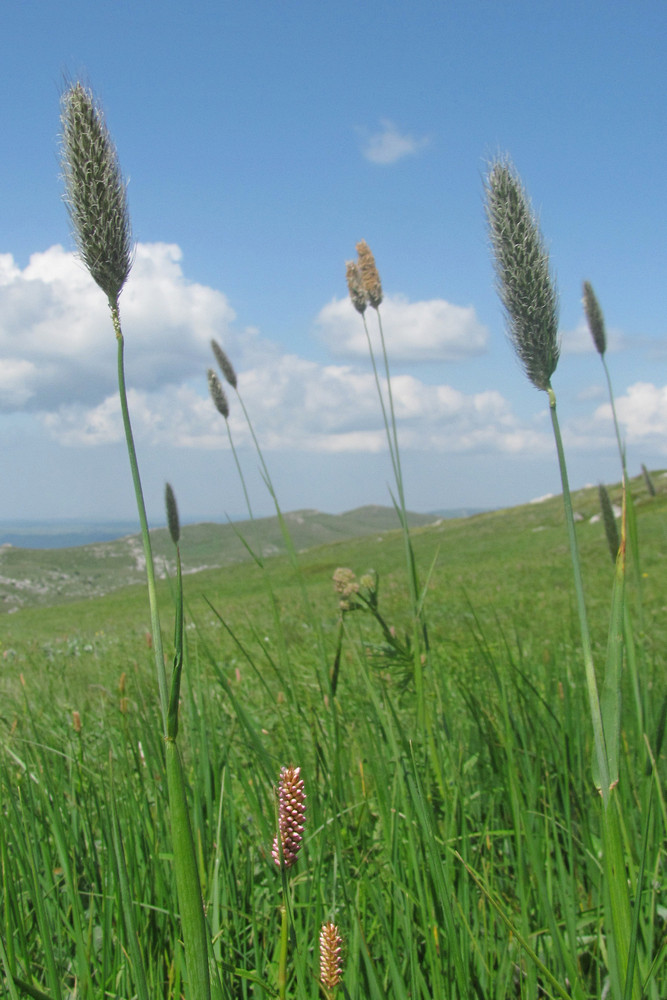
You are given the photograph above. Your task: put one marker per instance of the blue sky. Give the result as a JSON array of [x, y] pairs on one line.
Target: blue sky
[[261, 141]]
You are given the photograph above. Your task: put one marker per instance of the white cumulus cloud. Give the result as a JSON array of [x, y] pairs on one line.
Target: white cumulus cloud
[[299, 405], [57, 344], [58, 361], [389, 144], [642, 414], [432, 330]]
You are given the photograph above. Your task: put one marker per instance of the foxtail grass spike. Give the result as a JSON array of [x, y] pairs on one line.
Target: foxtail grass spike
[[291, 817], [218, 394], [594, 318], [648, 481], [95, 192], [524, 280], [609, 521], [224, 364], [369, 274], [173, 522], [355, 286], [331, 966]]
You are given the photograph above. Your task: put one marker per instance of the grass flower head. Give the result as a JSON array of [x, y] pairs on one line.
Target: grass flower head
[[331, 966], [95, 192], [609, 521], [218, 394], [346, 586], [524, 279], [173, 522], [355, 286], [595, 318], [370, 277], [291, 817], [648, 481], [224, 364]]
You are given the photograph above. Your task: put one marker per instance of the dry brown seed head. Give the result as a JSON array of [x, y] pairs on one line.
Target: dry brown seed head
[[370, 277], [345, 584], [345, 581], [355, 286]]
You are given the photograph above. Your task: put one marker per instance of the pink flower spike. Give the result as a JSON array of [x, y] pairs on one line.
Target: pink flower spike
[[291, 817]]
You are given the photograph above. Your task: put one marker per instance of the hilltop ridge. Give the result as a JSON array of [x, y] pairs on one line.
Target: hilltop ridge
[[30, 576]]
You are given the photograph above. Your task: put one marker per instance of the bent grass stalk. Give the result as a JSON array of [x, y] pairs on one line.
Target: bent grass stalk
[[97, 204]]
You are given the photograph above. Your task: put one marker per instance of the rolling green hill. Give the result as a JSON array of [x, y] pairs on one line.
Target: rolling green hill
[[509, 565], [44, 577]]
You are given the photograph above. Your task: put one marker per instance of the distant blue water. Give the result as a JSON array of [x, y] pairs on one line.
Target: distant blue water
[[65, 534], [62, 534]]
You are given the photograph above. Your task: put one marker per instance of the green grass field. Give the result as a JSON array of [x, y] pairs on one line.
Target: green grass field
[[458, 859], [476, 710]]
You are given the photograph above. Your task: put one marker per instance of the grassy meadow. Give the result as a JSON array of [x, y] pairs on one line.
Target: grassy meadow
[[417, 763], [437, 851]]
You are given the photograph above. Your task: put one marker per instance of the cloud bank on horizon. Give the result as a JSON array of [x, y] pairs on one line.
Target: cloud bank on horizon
[[58, 364]]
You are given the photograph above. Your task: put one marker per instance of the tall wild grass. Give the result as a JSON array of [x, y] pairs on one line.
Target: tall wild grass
[[338, 798]]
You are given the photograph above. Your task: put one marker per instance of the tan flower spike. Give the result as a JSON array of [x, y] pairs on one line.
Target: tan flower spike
[[331, 966], [369, 274]]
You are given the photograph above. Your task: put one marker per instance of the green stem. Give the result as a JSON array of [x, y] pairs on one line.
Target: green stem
[[621, 449], [378, 386], [617, 904], [591, 683], [630, 507], [240, 471], [143, 521], [282, 961], [392, 414], [190, 904], [185, 863], [265, 470], [420, 634]]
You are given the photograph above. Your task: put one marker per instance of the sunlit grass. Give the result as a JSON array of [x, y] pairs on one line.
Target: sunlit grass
[[453, 832], [388, 841]]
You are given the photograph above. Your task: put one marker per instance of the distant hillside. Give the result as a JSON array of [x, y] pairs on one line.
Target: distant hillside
[[68, 533], [30, 576]]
